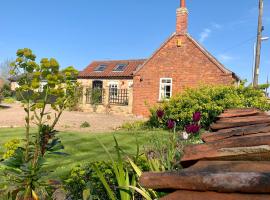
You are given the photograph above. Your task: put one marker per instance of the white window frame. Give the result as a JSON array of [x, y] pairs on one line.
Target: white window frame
[[160, 87], [114, 83]]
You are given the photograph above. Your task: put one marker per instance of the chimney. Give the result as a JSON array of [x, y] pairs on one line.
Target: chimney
[[182, 19]]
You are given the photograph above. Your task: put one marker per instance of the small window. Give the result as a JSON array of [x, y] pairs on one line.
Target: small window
[[165, 91], [120, 67], [113, 90], [100, 68]]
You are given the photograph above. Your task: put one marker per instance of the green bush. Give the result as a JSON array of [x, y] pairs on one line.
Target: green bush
[[9, 100], [6, 91], [85, 125], [137, 125], [84, 177], [210, 101]]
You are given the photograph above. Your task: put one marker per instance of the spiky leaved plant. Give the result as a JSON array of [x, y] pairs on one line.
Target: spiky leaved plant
[[46, 91]]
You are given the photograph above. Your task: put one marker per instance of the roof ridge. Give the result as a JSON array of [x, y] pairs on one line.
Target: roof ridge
[[131, 60]]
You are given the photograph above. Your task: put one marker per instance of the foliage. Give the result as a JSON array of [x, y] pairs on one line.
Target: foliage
[[5, 69], [210, 101], [85, 177], [9, 100], [25, 170], [126, 181], [77, 98], [137, 125], [85, 125], [11, 146], [6, 90], [96, 97]]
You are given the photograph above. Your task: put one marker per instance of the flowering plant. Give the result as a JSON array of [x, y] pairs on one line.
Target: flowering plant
[[194, 127]]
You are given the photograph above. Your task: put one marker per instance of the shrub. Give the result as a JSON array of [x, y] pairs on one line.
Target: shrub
[[84, 177], [210, 101], [9, 100], [11, 146], [85, 125], [6, 90], [137, 125]]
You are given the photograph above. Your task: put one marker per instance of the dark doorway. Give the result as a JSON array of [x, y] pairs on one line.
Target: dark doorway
[[97, 84]]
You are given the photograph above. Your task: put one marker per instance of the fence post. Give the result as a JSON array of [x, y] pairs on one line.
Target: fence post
[[130, 99], [106, 95]]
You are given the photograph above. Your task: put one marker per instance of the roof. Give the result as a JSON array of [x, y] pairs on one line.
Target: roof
[[201, 48], [108, 72]]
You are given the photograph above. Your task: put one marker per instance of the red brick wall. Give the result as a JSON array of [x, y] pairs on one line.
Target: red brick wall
[[187, 65]]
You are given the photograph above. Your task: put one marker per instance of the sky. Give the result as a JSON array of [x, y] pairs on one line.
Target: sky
[[76, 32]]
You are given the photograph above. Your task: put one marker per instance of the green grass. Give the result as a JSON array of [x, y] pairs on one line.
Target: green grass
[[83, 147]]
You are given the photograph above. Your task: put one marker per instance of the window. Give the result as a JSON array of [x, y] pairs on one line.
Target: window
[[113, 90], [100, 68], [120, 67], [165, 90]]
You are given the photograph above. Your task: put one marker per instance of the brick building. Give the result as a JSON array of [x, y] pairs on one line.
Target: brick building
[[180, 62]]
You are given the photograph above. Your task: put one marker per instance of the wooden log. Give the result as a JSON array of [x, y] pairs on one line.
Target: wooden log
[[250, 112], [193, 195], [244, 119], [240, 122], [235, 132], [239, 110], [244, 141], [227, 182], [230, 166], [255, 153]]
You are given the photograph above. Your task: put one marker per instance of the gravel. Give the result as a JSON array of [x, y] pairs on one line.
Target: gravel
[[14, 115]]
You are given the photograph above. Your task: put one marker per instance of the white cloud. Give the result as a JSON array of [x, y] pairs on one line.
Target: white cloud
[[205, 34], [216, 26], [225, 58]]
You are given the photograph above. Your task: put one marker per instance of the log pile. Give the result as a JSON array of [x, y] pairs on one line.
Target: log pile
[[233, 163]]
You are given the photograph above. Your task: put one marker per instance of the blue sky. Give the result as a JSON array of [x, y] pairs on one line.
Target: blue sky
[[77, 32]]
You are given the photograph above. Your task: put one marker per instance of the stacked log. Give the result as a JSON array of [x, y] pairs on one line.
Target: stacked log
[[233, 163]]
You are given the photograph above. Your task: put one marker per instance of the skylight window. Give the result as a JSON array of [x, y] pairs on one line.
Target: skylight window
[[120, 67], [100, 68]]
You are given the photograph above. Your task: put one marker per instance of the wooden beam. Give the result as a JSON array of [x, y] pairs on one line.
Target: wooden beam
[[235, 132], [236, 122], [249, 112], [227, 182], [244, 141], [192, 195], [254, 153]]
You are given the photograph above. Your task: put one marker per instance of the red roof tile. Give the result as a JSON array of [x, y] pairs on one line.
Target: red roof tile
[[132, 65]]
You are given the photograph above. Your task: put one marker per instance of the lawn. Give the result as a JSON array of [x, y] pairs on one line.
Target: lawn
[[83, 147]]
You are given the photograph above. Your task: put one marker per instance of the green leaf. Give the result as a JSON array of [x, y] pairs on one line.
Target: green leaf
[[104, 182]]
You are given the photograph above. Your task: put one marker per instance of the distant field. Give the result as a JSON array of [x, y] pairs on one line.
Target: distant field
[[83, 147]]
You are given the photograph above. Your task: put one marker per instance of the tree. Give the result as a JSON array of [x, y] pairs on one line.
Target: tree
[[5, 69]]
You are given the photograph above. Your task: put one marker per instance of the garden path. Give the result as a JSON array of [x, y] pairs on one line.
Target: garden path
[[70, 120]]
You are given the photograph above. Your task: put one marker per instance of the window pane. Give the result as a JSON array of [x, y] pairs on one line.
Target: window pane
[[120, 67], [165, 88], [100, 68], [166, 81]]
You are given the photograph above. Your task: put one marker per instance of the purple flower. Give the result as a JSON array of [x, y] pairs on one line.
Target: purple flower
[[193, 128], [160, 113], [197, 116], [170, 124]]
